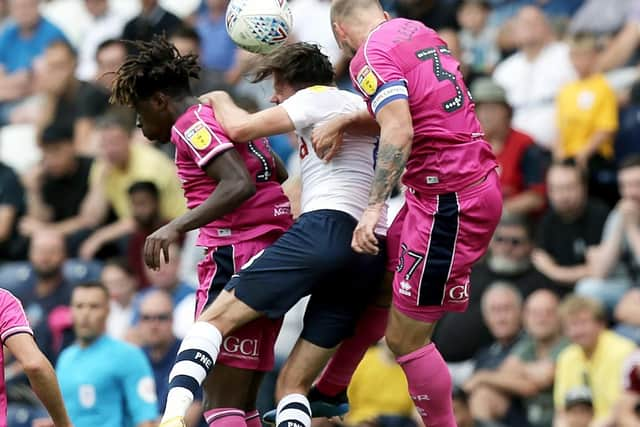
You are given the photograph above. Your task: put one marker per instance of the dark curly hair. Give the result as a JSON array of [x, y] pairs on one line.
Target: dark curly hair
[[157, 66]]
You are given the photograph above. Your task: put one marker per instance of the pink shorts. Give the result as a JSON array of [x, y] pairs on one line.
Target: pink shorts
[[433, 243], [252, 346]]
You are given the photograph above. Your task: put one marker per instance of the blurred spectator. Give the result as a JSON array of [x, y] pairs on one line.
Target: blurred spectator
[[104, 382], [478, 40], [160, 346], [528, 372], [378, 391], [188, 42], [502, 313], [573, 223], [533, 75], [20, 43], [461, 409], [217, 49], [145, 209], [628, 135], [153, 19], [56, 188], [628, 414], [460, 335], [166, 279], [119, 280], [594, 359], [121, 163], [624, 45], [587, 117], [578, 408], [94, 101], [433, 13], [597, 17], [65, 92], [521, 162], [46, 290], [614, 265], [104, 23], [310, 18], [12, 208]]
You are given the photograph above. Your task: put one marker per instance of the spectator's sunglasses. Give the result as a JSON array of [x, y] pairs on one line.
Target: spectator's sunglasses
[[513, 241], [155, 317]]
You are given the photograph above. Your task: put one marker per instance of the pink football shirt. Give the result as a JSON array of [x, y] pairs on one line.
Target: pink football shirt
[[199, 138], [404, 59], [13, 321]]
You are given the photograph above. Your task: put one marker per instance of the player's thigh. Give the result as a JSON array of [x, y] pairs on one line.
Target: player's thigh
[[303, 366], [316, 247], [405, 335], [442, 237], [229, 387]]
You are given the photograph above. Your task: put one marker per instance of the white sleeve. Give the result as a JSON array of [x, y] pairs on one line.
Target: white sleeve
[[305, 108]]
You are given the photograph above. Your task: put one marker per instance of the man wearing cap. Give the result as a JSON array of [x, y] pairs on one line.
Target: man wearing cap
[[520, 160], [578, 405]]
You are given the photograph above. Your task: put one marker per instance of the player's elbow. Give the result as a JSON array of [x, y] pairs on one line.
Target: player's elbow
[[36, 365], [244, 190], [239, 133], [400, 134]]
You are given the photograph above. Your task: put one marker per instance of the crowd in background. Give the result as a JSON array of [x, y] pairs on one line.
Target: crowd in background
[[552, 327]]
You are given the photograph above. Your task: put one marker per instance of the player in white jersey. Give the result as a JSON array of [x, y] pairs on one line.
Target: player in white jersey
[[314, 256]]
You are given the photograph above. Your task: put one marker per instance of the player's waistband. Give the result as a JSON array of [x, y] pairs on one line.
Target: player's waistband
[[465, 188]]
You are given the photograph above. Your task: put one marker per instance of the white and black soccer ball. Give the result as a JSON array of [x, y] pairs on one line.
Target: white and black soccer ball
[[259, 26]]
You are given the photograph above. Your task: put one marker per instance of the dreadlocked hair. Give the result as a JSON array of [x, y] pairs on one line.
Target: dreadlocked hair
[[156, 66]]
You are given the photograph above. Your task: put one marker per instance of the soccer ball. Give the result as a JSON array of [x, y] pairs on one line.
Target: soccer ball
[[259, 26]]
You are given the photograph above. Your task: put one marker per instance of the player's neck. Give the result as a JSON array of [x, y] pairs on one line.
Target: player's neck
[[180, 106]]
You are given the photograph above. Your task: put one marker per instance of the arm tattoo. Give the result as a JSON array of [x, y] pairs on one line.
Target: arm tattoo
[[391, 162]]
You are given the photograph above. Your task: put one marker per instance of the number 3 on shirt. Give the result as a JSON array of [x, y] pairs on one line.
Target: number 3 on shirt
[[433, 54]]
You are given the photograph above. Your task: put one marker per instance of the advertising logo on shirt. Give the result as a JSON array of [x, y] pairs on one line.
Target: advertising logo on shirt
[[87, 395]]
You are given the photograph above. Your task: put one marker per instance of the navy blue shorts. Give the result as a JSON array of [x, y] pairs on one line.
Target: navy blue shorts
[[314, 257]]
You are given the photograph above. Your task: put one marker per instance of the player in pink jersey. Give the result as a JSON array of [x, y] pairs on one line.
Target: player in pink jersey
[[16, 335], [427, 124], [235, 198]]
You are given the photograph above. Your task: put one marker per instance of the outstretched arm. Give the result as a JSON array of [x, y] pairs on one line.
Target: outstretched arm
[[242, 126], [396, 137], [234, 187], [327, 138], [41, 376]]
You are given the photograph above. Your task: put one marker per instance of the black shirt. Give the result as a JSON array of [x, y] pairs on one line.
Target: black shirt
[[567, 241], [436, 14], [12, 194], [459, 336], [65, 194], [70, 107], [157, 22], [93, 101]]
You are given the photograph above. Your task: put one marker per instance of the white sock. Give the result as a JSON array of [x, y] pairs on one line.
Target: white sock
[[196, 357], [293, 411]]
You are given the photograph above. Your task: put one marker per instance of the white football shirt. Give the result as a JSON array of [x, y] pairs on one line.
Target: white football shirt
[[343, 184]]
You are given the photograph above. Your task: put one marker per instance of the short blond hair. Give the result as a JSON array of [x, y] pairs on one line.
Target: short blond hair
[[575, 304], [342, 9]]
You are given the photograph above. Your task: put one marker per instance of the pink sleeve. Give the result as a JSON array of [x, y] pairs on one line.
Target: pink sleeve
[[13, 319], [381, 79], [203, 136]]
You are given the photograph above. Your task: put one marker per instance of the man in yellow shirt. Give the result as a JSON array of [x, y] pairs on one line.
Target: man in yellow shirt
[[120, 164], [587, 111], [378, 388], [595, 358]]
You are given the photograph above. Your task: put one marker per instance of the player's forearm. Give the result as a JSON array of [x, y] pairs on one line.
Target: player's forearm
[[226, 198], [232, 118], [45, 385], [393, 153]]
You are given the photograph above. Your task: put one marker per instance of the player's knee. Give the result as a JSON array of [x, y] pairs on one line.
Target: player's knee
[[288, 384], [227, 313], [402, 343]]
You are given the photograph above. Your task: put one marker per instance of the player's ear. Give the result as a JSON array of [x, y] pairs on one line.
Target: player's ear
[[159, 101], [387, 16]]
